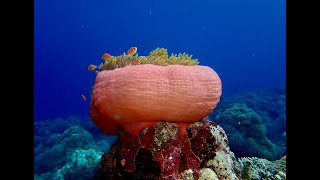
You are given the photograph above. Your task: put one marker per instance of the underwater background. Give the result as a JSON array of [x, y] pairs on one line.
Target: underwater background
[[243, 41]]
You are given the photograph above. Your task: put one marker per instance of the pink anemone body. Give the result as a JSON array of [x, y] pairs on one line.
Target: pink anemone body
[[138, 96]]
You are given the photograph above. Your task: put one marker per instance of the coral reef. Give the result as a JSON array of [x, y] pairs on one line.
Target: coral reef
[[59, 141], [135, 97], [257, 168], [81, 164], [255, 123], [54, 155], [270, 105], [160, 152], [206, 174], [58, 147], [46, 128], [158, 56], [246, 132]]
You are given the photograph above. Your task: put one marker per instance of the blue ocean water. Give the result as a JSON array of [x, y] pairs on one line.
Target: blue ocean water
[[243, 41]]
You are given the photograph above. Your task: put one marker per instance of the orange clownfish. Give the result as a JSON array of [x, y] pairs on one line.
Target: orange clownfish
[[97, 72], [83, 97], [106, 56], [132, 51], [92, 67]]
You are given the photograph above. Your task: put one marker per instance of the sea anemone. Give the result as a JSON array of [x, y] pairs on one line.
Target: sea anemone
[[134, 95], [158, 56]]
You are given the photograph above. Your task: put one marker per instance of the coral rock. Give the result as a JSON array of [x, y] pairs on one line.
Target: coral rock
[[259, 168], [135, 97], [163, 152]]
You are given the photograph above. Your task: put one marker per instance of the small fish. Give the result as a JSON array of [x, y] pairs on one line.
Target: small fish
[[132, 51], [97, 72], [91, 67], [83, 97], [106, 56]]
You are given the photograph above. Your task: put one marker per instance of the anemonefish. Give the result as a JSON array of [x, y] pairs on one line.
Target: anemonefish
[[92, 67], [83, 97], [97, 72], [132, 51], [106, 56]]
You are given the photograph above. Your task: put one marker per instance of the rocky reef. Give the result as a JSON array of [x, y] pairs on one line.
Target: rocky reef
[[73, 149], [163, 152]]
